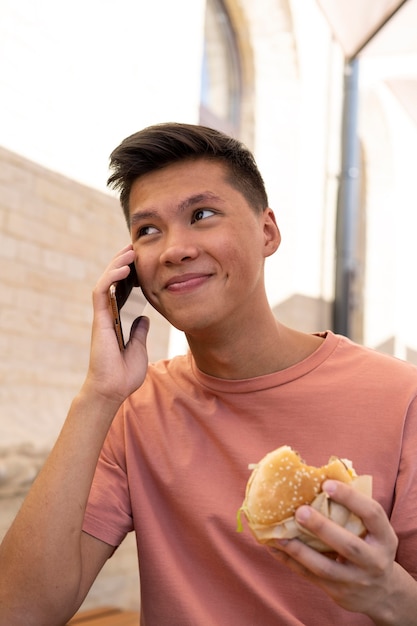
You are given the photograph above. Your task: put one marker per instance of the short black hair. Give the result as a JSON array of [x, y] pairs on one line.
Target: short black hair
[[160, 145]]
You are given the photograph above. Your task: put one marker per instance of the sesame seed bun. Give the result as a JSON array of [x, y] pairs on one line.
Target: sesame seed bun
[[281, 482]]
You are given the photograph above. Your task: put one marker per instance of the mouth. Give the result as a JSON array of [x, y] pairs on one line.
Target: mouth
[[185, 283]]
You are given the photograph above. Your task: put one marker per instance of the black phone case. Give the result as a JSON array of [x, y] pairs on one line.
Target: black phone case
[[125, 286]]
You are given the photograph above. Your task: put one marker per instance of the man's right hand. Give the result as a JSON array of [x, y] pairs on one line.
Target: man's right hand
[[115, 374]]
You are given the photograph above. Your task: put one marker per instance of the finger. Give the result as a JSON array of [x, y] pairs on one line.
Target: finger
[[308, 562], [117, 269], [120, 256], [128, 246], [366, 508], [342, 541]]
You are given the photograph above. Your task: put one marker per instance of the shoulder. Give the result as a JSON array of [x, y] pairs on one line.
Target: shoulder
[[347, 346], [373, 368]]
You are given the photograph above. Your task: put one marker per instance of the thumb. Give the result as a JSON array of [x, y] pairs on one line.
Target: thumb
[[139, 330]]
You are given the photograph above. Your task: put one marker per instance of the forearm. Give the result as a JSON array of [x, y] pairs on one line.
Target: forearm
[[40, 557]]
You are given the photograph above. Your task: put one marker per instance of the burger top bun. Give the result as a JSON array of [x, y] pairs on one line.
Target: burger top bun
[[281, 482]]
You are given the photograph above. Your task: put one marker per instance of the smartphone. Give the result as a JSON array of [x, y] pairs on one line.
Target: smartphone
[[118, 294]]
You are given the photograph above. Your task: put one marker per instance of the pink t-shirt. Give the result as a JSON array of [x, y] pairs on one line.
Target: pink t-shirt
[[175, 465]]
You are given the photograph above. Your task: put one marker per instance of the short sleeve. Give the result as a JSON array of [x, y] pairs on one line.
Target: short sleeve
[[108, 514]]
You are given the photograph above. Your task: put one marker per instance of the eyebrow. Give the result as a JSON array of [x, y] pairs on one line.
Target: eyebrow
[[198, 198]]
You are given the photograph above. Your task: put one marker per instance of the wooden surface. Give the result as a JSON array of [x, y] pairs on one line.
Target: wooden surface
[[105, 616]]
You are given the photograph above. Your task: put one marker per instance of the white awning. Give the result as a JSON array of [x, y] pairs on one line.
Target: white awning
[[373, 26]]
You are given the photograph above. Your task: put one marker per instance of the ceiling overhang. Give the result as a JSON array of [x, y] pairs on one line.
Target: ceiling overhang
[[389, 24]]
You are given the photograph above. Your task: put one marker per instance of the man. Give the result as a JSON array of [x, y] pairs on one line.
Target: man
[[165, 448]]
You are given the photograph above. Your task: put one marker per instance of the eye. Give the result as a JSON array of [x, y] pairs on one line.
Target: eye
[[145, 231], [201, 214]]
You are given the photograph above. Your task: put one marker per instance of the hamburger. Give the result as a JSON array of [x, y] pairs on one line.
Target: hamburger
[[281, 482]]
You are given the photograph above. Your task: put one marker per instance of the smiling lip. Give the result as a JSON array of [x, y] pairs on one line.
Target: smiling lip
[[185, 282]]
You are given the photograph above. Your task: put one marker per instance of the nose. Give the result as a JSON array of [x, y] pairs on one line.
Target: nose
[[179, 247]]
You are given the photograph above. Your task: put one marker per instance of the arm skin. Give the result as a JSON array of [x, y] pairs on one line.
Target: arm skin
[[365, 578], [47, 564]]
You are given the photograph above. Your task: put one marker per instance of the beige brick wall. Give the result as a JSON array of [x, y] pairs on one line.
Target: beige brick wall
[[56, 236]]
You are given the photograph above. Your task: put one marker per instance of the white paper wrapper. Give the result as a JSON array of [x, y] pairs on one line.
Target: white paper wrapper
[[290, 529]]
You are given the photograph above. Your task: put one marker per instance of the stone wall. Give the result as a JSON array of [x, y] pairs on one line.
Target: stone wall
[[56, 236]]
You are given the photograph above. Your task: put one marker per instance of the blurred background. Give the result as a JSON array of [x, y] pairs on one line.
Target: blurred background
[[325, 95]]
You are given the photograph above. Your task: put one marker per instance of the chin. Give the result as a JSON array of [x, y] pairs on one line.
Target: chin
[[193, 325]]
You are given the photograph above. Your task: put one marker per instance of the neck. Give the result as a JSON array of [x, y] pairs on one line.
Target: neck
[[265, 348]]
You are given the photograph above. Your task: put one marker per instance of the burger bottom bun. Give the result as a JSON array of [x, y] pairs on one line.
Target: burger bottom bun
[[290, 529]]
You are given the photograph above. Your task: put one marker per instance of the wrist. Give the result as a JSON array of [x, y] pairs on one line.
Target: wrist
[[93, 401], [399, 606]]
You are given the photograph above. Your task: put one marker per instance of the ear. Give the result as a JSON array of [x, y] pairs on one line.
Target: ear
[[272, 236]]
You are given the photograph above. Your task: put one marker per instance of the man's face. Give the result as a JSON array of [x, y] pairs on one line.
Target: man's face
[[200, 247]]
